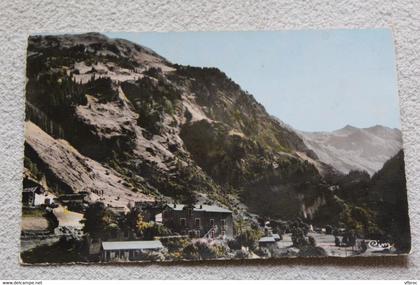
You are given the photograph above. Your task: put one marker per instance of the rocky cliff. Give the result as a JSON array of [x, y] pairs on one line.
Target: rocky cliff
[[122, 123]]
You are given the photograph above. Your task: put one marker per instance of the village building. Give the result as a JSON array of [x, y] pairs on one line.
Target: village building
[[33, 196], [198, 221], [129, 250], [270, 239], [276, 237], [76, 202], [150, 211]]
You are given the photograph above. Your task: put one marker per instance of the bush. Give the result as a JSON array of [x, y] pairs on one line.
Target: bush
[[190, 252], [308, 250], [156, 230], [63, 251], [175, 244], [262, 252], [205, 250], [220, 250], [102, 88], [234, 244], [151, 256], [99, 222], [298, 237], [52, 220], [152, 100], [328, 229], [247, 238], [199, 251], [175, 247], [312, 241]]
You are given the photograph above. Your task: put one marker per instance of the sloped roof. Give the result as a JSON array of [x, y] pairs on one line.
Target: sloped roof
[[276, 236], [267, 239], [200, 208], [30, 189], [126, 245], [34, 189]]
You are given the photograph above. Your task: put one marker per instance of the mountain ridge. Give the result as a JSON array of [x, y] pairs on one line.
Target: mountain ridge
[[353, 148], [132, 112]]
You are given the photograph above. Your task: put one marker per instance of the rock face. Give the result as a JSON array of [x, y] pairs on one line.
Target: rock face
[[352, 148], [115, 117], [76, 172]]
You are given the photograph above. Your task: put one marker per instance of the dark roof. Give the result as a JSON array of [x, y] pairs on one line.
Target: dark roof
[[267, 239], [30, 189], [200, 208], [126, 245]]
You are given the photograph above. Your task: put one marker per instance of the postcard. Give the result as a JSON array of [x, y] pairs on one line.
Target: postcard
[[212, 146]]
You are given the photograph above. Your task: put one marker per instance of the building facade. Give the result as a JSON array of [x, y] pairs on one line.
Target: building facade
[[199, 221], [33, 196]]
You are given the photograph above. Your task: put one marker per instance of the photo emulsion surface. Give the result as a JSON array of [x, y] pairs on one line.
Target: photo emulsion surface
[[212, 146]]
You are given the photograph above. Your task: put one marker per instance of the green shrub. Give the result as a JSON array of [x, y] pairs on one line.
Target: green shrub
[[312, 241], [200, 250], [309, 250], [63, 251], [190, 252]]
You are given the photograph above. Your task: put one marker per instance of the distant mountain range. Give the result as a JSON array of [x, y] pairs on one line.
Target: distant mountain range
[[352, 148]]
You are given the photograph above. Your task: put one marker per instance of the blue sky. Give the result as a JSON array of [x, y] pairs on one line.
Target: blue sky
[[313, 80]]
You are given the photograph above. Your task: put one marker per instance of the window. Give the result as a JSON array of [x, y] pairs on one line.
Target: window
[[222, 223], [197, 223], [183, 222], [211, 222]]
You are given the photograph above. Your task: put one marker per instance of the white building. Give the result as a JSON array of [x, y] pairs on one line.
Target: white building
[[131, 250]]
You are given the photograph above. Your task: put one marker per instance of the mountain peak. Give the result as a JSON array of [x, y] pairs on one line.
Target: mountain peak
[[352, 148], [348, 128]]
